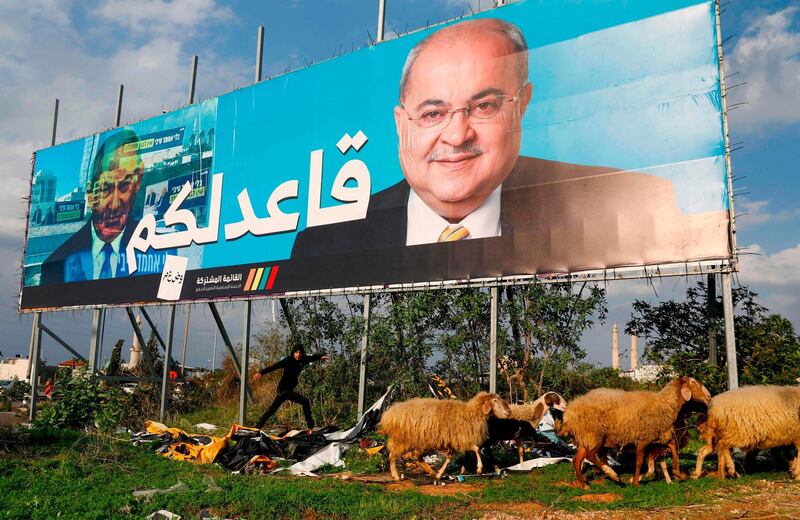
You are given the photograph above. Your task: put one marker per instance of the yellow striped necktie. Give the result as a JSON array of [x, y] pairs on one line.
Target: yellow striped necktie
[[453, 233]]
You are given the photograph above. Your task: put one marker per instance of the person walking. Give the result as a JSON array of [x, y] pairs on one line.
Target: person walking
[[292, 365]]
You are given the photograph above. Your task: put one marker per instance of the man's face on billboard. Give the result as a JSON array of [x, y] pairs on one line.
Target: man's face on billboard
[[112, 194], [454, 159]]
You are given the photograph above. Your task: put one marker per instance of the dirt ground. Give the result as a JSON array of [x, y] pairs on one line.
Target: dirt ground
[[761, 500]]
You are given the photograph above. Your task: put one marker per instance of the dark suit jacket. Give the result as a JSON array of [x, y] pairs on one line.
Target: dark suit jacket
[[555, 217], [72, 261]]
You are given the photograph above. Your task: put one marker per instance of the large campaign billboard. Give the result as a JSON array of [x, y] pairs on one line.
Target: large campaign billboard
[[531, 139]]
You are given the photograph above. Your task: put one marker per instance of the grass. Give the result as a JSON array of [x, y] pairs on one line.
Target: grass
[[72, 475]]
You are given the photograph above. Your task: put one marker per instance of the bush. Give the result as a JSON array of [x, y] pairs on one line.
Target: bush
[[83, 403], [18, 391]]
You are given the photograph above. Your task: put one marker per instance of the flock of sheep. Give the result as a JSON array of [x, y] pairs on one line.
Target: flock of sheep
[[654, 423]]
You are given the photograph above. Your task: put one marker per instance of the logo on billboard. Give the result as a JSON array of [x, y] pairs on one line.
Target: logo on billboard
[[261, 278]]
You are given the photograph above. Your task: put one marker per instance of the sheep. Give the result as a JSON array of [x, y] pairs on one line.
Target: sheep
[[751, 418], [679, 439], [533, 412], [530, 413], [522, 424], [607, 418], [421, 425]]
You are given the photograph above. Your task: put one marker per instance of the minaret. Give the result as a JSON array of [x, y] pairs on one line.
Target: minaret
[[136, 347], [634, 352], [615, 347]]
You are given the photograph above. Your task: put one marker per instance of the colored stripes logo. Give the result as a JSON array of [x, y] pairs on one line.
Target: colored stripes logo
[[261, 278]]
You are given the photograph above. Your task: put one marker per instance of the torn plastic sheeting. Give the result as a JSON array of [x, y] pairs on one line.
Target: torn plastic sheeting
[[331, 454], [537, 463], [180, 487], [372, 414], [163, 514]]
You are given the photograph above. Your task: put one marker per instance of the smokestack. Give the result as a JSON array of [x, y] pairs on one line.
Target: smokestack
[[634, 352], [615, 347], [136, 347]]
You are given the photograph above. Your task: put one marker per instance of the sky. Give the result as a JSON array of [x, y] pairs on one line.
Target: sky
[[80, 52]]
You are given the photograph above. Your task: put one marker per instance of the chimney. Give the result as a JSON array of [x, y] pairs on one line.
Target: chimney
[[136, 347], [634, 352], [615, 347]]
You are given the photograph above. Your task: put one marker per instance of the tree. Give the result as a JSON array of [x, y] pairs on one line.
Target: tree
[[676, 336], [548, 320], [115, 363]]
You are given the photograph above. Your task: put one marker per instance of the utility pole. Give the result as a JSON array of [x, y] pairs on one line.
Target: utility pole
[[185, 338]]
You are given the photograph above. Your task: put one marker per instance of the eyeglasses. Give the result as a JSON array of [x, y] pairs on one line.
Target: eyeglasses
[[480, 110]]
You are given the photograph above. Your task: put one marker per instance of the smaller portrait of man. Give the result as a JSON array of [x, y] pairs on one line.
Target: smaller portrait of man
[[97, 250]]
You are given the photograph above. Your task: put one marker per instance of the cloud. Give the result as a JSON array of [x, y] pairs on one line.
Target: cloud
[[84, 55], [779, 269], [163, 16], [768, 57], [750, 213], [776, 278]]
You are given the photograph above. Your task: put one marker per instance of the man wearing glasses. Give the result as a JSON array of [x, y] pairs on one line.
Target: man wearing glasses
[[464, 90], [97, 250]]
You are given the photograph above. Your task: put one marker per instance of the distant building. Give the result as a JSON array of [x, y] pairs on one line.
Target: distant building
[[644, 373], [44, 187], [74, 364], [16, 367]]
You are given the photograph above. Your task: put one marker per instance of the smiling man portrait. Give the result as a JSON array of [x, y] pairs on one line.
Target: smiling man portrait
[[463, 94]]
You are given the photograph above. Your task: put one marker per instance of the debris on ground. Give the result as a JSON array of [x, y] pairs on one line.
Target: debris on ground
[[211, 484], [252, 451], [180, 487], [163, 514]]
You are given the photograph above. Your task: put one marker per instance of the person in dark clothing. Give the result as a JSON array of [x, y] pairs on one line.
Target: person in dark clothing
[[292, 365]]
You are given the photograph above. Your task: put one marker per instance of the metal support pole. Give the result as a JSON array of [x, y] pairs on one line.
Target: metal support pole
[[245, 362], [730, 338], [362, 369], [185, 339], [493, 343], [214, 354], [711, 309], [193, 82], [259, 52], [34, 329], [381, 18], [118, 117], [55, 124], [167, 356], [94, 344], [34, 361], [153, 327], [227, 340], [61, 342]]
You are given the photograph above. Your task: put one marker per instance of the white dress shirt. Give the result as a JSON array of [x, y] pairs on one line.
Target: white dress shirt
[[425, 225], [97, 254]]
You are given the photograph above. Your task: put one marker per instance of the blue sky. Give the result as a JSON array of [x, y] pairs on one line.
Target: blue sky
[[81, 51]]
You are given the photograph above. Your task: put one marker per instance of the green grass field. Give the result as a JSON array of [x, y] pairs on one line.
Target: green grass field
[[70, 475]]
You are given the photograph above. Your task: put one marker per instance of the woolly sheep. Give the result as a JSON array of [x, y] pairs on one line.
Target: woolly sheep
[[751, 418], [533, 412], [608, 418], [530, 413], [679, 439], [419, 426]]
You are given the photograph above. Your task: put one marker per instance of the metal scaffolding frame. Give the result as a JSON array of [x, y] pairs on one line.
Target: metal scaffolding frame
[[241, 362]]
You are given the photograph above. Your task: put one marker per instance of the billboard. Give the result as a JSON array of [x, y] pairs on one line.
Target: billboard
[[530, 139]]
